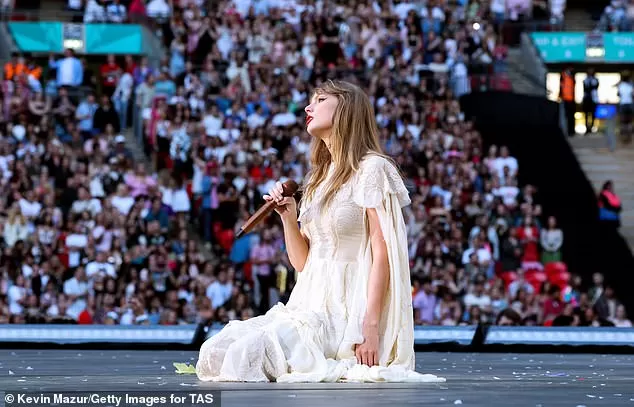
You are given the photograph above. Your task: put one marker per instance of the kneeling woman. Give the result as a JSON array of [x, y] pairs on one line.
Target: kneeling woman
[[349, 316]]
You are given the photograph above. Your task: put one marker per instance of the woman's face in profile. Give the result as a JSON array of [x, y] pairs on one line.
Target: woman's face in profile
[[320, 114]]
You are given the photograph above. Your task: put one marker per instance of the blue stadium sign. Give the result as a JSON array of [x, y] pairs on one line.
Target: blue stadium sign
[[577, 47]]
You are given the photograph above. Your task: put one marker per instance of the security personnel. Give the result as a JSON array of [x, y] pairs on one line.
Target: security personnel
[[567, 96], [590, 99]]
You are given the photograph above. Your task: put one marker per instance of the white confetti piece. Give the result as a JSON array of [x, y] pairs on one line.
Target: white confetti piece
[[442, 399], [496, 378], [11, 373], [163, 367], [591, 396], [162, 384], [140, 383], [602, 384], [159, 378], [84, 380], [21, 380], [79, 354], [29, 368], [292, 395], [458, 402], [155, 361], [618, 394]]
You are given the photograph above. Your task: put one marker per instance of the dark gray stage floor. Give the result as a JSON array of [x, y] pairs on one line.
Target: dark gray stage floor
[[492, 380]]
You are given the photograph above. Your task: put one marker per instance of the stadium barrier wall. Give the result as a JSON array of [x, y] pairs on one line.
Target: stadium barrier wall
[[481, 338]]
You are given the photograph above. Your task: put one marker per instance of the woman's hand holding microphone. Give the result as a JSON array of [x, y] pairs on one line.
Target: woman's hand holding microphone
[[286, 206]]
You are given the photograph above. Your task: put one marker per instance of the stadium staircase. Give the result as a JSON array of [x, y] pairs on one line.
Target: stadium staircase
[[579, 20], [521, 81], [600, 165]]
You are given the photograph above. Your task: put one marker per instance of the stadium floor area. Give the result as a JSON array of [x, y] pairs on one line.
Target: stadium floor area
[[473, 379]]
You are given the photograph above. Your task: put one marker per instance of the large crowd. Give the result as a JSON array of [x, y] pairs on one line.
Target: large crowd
[[91, 235], [618, 15]]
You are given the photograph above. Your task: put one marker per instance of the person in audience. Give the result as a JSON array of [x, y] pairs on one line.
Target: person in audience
[[551, 239], [508, 317], [609, 206]]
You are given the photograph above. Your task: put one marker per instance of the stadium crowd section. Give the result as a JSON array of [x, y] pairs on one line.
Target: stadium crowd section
[[618, 15], [90, 235]]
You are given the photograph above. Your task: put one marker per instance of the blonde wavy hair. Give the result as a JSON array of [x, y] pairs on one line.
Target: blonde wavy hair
[[354, 135]]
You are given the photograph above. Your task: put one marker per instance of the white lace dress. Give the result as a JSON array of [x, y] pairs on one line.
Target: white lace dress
[[312, 338]]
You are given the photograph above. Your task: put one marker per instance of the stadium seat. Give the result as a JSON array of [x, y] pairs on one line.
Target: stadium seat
[[555, 268], [225, 239], [508, 277], [536, 278], [559, 279]]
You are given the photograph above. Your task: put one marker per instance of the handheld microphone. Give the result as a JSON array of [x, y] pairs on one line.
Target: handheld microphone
[[290, 188]]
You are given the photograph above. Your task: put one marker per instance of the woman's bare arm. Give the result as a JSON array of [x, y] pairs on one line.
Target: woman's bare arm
[[380, 272], [296, 244]]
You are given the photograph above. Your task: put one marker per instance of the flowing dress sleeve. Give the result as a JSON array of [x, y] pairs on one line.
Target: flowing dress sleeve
[[377, 182], [380, 186]]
